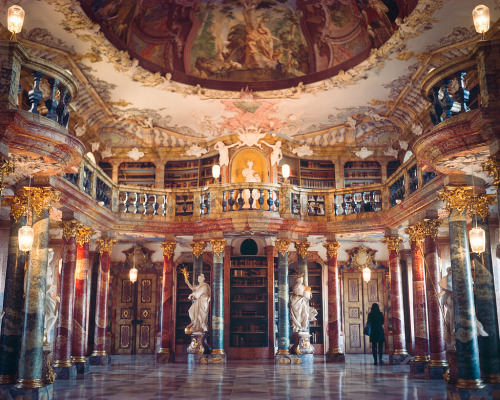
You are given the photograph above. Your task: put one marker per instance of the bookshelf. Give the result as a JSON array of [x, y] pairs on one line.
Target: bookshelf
[[206, 170], [361, 173], [317, 174], [181, 174], [137, 174]]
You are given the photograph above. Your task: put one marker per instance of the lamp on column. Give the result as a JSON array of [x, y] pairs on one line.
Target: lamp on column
[[132, 274], [15, 20], [481, 17], [216, 172], [367, 274], [285, 171], [477, 236], [26, 233]]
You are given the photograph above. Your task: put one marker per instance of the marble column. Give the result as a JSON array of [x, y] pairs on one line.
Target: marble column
[[335, 353], [218, 246], [99, 355], [81, 305], [437, 365], [31, 355], [419, 301], [484, 290], [399, 355], [302, 248], [283, 299], [63, 365], [10, 339], [166, 353], [467, 350]]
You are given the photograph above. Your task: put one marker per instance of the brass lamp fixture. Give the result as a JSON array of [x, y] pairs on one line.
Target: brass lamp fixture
[[481, 17], [477, 236], [367, 274], [285, 171], [15, 20], [132, 274], [216, 172], [26, 233]]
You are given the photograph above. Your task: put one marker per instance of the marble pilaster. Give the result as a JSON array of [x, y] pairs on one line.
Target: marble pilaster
[[218, 246], [282, 246]]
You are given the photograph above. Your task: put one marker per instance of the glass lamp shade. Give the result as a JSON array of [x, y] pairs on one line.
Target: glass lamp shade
[[367, 274], [132, 274], [26, 235], [216, 171], [15, 19], [285, 171], [481, 17], [477, 240]]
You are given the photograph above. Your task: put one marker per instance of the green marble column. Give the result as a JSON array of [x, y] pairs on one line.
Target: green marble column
[[283, 297], [10, 339]]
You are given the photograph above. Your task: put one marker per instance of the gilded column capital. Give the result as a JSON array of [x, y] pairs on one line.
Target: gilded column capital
[[18, 206], [218, 245], [282, 245], [70, 229], [480, 205], [456, 198], [198, 248], [41, 198], [168, 248], [430, 227], [302, 248], [393, 243], [492, 166], [6, 168], [83, 234], [106, 245], [416, 233], [332, 248]]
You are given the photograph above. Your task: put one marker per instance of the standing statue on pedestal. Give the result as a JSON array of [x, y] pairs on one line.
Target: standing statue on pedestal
[[301, 314], [250, 175], [198, 313]]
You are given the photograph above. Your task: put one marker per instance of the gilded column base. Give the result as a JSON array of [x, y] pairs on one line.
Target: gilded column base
[[492, 378], [30, 383], [421, 359], [102, 360], [417, 365], [335, 356], [62, 364], [66, 372], [218, 351], [79, 359], [283, 352], [400, 352], [207, 359], [435, 369], [7, 379], [469, 384], [82, 364], [438, 363], [99, 353]]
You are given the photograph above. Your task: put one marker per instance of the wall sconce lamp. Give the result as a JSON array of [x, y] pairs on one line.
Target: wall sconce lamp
[[132, 274], [216, 172], [15, 20], [481, 17], [26, 234], [367, 274]]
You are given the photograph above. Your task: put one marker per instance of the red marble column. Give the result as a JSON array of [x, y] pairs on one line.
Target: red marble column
[[166, 353], [335, 353], [399, 354], [81, 306], [419, 301], [99, 355], [437, 364], [63, 366]]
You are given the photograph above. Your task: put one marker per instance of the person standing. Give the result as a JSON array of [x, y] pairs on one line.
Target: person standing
[[377, 337]]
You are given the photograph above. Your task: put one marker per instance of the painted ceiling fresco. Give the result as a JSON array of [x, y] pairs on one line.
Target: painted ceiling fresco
[[239, 43]]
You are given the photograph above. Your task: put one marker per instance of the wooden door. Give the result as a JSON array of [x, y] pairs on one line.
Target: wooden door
[[358, 299], [136, 310]]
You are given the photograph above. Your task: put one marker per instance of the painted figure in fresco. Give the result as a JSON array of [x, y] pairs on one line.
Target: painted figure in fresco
[[300, 310], [51, 300], [198, 312]]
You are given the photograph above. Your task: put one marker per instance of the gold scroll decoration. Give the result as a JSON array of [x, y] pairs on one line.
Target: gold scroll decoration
[[282, 245], [6, 168], [218, 245], [332, 248], [105, 245], [392, 243], [492, 166], [480, 205], [302, 248], [168, 248], [83, 235], [41, 198], [416, 233], [70, 229], [456, 198], [198, 248], [430, 227], [18, 206]]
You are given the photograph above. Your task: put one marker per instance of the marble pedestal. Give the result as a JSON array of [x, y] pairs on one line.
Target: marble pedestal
[[10, 392], [335, 357], [164, 357], [488, 392], [399, 359], [205, 359], [301, 344], [434, 371], [294, 359], [82, 367], [199, 344], [417, 367], [103, 361], [66, 372], [451, 374]]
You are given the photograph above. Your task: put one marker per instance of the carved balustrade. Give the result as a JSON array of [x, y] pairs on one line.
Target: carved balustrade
[[359, 200], [250, 197]]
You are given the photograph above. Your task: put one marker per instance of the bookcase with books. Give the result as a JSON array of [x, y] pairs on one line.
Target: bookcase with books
[[317, 174], [361, 173], [137, 174], [181, 174]]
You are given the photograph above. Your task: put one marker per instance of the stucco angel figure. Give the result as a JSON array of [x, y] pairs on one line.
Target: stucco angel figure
[[196, 151], [276, 154], [300, 310], [198, 312], [302, 151], [250, 136], [51, 301], [223, 150]]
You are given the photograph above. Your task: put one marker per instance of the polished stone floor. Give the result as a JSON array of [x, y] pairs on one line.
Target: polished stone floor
[[137, 377]]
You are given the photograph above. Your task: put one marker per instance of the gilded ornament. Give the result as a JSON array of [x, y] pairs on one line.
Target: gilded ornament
[[492, 166], [168, 248], [198, 248], [480, 205], [393, 243], [218, 245], [282, 245], [416, 234], [70, 229], [18, 206], [430, 227], [105, 245], [302, 248], [456, 198], [41, 198], [331, 248], [6, 168], [83, 235]]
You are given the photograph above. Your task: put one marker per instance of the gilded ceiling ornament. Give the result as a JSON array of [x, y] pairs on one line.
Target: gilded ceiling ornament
[[456, 198], [430, 227], [18, 206], [282, 245], [168, 248], [302, 248], [70, 229], [105, 245], [6, 168], [416, 233], [41, 198], [392, 243], [198, 248], [83, 235], [480, 205], [492, 166], [362, 258], [218, 245], [331, 248]]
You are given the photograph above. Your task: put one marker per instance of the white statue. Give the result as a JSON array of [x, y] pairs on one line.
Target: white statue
[[223, 152], [196, 151], [302, 151], [276, 154], [198, 312], [300, 310], [250, 175], [51, 300]]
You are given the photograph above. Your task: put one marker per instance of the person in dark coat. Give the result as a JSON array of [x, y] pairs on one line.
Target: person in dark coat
[[377, 337]]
